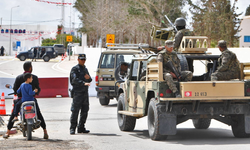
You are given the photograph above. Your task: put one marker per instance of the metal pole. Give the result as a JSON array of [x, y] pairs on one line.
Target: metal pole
[[10, 27]]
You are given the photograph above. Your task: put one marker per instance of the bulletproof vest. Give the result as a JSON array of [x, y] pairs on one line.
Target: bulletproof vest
[[172, 57]]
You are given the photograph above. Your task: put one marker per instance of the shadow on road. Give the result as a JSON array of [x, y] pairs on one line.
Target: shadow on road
[[102, 134], [111, 105], [211, 136]]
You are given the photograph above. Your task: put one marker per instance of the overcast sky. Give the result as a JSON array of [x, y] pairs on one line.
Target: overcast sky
[[33, 12]]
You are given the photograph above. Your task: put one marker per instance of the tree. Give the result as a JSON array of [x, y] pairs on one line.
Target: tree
[[247, 11], [216, 19], [129, 20]]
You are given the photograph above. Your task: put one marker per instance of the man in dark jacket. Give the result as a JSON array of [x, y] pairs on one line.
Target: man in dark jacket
[[27, 66], [2, 50], [80, 80]]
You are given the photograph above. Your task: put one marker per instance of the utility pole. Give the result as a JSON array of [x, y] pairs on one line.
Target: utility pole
[[62, 31]]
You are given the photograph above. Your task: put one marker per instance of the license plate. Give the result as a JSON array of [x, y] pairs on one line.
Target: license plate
[[108, 79], [30, 115]]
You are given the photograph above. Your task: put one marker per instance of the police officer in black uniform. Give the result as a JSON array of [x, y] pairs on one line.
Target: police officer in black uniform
[[80, 80]]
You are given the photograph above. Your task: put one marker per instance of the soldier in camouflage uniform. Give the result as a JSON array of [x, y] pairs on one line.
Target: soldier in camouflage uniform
[[164, 56], [80, 80], [228, 64], [180, 24]]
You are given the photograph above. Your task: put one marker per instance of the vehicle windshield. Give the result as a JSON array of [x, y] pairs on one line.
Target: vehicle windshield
[[123, 58], [108, 61]]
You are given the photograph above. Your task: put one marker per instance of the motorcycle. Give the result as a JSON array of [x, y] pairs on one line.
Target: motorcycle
[[28, 116]]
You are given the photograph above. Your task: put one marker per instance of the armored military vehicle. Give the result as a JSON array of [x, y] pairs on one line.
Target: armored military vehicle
[[145, 93], [108, 67]]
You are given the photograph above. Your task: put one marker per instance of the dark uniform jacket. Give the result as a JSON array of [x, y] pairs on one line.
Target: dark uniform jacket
[[19, 80], [77, 79]]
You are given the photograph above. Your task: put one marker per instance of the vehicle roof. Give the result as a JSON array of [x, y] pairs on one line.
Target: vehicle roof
[[121, 51]]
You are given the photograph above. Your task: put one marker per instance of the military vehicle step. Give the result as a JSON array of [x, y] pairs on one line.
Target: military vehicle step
[[128, 113]]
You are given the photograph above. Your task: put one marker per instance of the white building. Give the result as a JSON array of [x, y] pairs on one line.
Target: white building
[[23, 37], [245, 32]]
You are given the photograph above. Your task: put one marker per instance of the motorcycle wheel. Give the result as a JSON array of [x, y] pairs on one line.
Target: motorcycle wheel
[[29, 132]]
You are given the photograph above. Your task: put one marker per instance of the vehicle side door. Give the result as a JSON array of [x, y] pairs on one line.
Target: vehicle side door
[[31, 53], [106, 70], [136, 91]]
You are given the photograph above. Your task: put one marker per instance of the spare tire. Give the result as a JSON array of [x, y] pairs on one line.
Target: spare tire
[[183, 62]]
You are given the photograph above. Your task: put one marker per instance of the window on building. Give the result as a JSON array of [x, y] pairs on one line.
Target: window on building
[[2, 31], [246, 38], [20, 31], [6, 31], [16, 31], [11, 30]]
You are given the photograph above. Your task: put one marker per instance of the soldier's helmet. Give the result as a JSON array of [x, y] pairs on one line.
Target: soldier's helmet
[[180, 22], [222, 43]]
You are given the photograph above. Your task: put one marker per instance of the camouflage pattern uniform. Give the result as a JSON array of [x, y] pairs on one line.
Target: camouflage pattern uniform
[[228, 67], [164, 56], [178, 37]]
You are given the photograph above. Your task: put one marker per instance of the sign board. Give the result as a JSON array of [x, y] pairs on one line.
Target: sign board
[[110, 38], [69, 38]]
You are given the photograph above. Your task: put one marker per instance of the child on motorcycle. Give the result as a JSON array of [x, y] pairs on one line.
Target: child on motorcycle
[[27, 93]]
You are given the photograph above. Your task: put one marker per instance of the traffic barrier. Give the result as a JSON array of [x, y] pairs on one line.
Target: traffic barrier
[[16, 55], [65, 54], [53, 87], [62, 58], [2, 105]]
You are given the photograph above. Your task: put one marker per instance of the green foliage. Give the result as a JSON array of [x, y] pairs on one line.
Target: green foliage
[[215, 19], [60, 38]]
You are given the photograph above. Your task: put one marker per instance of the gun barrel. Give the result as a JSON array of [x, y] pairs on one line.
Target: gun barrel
[[171, 23]]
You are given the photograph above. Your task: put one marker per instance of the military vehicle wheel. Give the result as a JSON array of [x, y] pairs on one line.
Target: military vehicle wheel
[[22, 58], [201, 123], [153, 121], [126, 123], [183, 62], [104, 101], [238, 126], [46, 58]]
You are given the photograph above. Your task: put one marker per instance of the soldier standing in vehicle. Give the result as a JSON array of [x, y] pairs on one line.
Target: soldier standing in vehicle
[[80, 80], [180, 24], [228, 64], [168, 55]]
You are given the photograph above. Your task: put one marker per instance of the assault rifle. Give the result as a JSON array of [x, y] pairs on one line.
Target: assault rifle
[[174, 70]]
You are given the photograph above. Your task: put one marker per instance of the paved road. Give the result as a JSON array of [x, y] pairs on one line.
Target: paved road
[[105, 133], [102, 122]]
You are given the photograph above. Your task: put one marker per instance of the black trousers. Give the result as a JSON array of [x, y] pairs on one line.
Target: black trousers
[[39, 116], [80, 102]]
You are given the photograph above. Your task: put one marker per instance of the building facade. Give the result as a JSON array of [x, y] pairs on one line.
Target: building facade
[[245, 32]]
